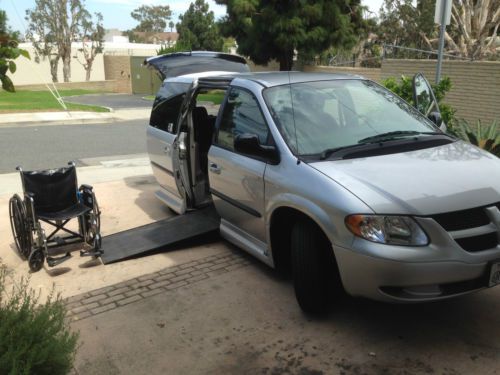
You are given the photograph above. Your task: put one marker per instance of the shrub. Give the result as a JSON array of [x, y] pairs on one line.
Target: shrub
[[404, 88], [178, 47], [34, 338], [486, 137]]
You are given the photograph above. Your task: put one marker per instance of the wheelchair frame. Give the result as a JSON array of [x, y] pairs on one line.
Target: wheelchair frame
[[29, 236]]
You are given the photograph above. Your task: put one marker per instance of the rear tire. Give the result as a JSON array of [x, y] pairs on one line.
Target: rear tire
[[315, 274], [20, 226]]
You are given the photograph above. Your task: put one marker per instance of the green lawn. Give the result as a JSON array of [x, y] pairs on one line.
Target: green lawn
[[33, 101], [215, 96]]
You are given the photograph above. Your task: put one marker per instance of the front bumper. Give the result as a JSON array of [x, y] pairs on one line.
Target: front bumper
[[406, 281]]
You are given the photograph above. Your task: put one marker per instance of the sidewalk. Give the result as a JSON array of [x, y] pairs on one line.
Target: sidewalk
[[72, 118]]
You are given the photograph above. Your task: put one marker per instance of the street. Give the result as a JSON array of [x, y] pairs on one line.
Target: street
[[53, 146]]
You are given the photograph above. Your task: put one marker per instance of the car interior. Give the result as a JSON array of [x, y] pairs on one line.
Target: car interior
[[203, 117]]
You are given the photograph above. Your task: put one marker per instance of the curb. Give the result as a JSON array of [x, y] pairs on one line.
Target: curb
[[103, 118]]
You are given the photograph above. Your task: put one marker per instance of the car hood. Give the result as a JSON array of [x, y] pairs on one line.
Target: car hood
[[446, 178]]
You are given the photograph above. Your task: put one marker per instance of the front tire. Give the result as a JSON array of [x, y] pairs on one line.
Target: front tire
[[36, 259], [315, 274]]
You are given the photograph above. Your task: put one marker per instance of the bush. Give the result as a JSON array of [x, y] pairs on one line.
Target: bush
[[34, 338], [178, 47], [404, 88], [486, 137]]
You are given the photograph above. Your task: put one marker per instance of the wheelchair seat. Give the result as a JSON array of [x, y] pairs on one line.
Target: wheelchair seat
[[65, 214]]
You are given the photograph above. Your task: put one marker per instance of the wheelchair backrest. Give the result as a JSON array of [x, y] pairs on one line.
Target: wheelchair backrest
[[52, 190]]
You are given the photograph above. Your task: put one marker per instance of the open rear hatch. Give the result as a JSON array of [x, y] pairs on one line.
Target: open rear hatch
[[183, 63]]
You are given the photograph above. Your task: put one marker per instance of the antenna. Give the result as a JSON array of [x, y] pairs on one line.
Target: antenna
[[293, 116]]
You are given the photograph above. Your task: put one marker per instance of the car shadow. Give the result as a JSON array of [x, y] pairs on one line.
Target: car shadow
[[471, 321], [147, 200]]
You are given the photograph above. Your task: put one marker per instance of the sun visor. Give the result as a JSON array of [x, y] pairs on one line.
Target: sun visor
[[182, 63]]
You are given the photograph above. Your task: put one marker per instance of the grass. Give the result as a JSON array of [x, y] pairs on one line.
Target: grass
[[215, 96], [41, 101]]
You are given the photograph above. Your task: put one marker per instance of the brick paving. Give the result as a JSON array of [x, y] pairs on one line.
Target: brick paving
[[112, 297]]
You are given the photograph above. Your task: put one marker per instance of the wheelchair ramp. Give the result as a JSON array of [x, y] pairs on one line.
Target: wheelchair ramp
[[154, 236]]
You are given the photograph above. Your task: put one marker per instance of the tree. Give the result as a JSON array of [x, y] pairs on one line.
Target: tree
[[274, 29], [92, 36], [53, 25], [477, 23], [8, 52], [152, 18], [406, 25], [472, 33], [197, 28], [171, 25]]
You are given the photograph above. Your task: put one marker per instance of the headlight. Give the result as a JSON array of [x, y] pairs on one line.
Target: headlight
[[391, 230]]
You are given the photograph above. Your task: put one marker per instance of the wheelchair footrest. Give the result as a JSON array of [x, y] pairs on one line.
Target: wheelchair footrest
[[91, 253], [54, 261]]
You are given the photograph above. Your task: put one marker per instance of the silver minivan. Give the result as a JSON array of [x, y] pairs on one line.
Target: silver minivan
[[331, 176]]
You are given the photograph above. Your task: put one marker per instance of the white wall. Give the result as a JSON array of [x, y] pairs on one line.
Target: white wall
[[29, 72]]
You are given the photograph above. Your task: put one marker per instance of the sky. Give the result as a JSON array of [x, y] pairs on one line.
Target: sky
[[116, 13]]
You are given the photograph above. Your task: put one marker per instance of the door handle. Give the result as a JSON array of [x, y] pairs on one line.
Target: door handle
[[167, 150], [215, 168]]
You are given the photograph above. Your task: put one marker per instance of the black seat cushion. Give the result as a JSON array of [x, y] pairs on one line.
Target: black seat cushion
[[65, 214], [53, 190]]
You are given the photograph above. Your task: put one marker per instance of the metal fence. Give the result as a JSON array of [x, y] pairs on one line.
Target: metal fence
[[388, 51]]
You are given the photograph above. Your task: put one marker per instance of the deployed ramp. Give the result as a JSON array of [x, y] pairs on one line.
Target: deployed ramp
[[154, 236]]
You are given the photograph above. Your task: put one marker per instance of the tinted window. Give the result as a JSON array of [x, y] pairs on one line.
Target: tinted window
[[167, 105], [316, 116], [241, 115]]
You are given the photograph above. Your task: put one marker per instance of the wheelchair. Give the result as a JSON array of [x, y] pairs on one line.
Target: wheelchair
[[53, 197]]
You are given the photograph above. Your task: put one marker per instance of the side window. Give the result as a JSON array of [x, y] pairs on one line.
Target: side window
[[167, 105], [241, 115]]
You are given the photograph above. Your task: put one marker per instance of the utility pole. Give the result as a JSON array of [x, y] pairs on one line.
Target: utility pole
[[442, 16]]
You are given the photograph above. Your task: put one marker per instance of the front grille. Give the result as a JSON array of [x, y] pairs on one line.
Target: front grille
[[465, 219], [478, 243], [469, 219]]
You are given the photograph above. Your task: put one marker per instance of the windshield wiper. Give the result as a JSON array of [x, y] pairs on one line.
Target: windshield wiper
[[330, 151], [394, 135]]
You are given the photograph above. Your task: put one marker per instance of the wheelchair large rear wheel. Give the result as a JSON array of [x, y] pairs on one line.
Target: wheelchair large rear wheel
[[93, 225], [20, 226]]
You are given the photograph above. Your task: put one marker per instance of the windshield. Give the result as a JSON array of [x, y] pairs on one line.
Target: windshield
[[324, 115]]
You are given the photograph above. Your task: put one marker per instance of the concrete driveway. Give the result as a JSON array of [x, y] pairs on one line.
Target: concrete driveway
[[229, 314], [115, 101]]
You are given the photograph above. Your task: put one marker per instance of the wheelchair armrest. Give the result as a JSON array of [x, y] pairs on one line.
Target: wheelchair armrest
[[86, 187]]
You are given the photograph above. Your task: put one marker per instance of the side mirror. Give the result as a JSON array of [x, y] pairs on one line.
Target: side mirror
[[435, 117], [249, 144], [423, 96]]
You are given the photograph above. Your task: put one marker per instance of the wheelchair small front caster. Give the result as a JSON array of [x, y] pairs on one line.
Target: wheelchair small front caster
[[36, 259], [98, 244]]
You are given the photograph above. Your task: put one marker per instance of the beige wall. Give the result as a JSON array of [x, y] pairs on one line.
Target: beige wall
[[476, 85], [118, 68], [373, 74], [29, 72]]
